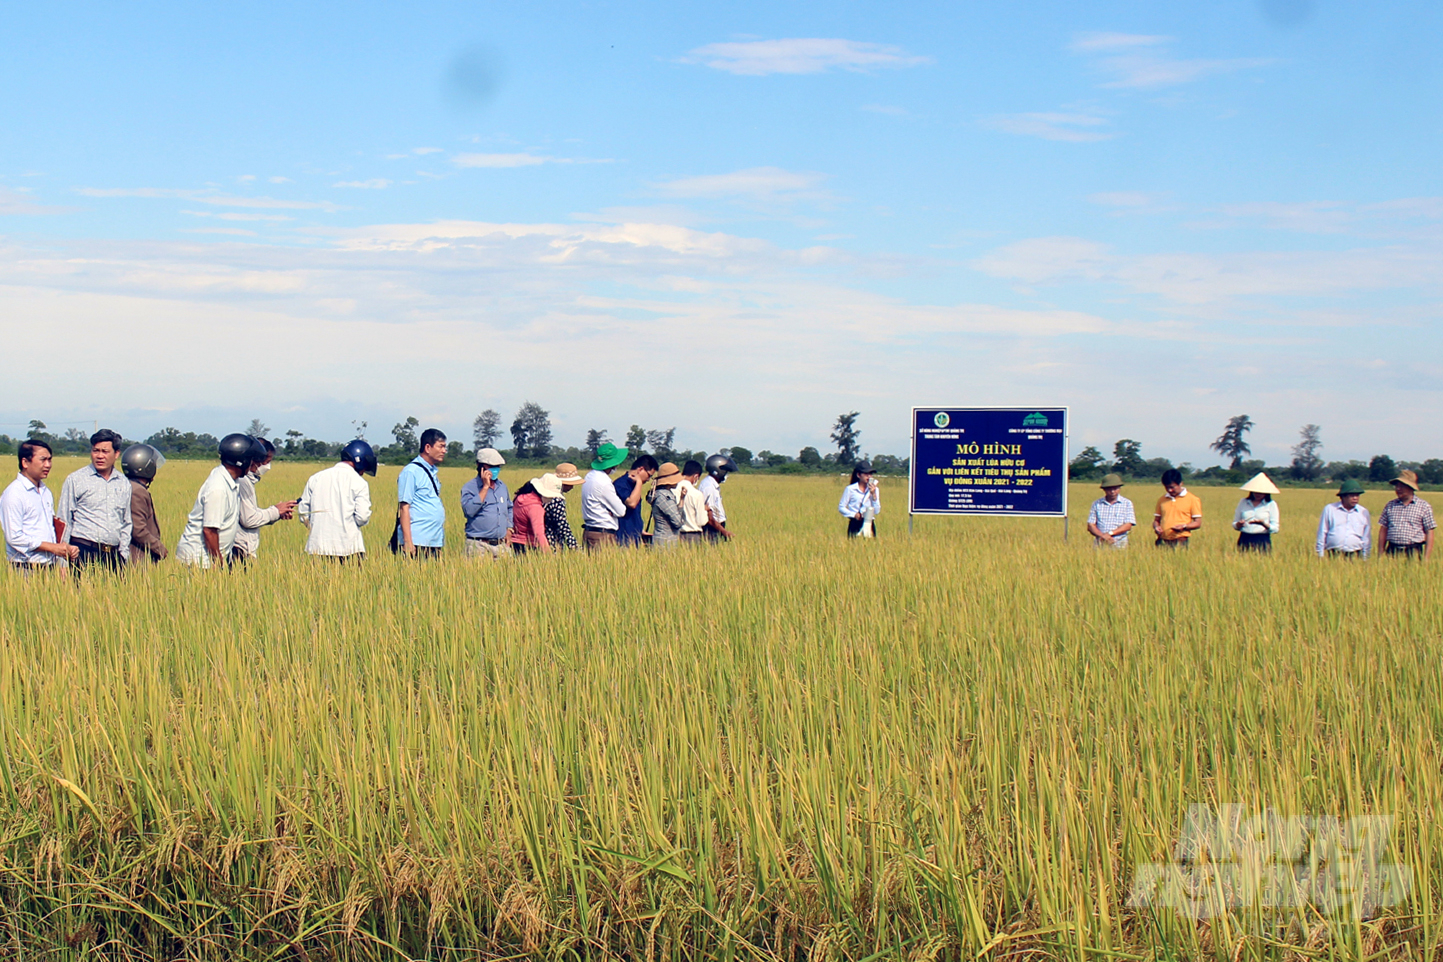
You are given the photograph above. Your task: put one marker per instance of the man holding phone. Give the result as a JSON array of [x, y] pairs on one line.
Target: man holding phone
[[486, 503]]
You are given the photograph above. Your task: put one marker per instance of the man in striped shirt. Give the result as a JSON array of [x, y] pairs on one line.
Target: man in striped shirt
[[1111, 517], [1406, 525], [95, 507]]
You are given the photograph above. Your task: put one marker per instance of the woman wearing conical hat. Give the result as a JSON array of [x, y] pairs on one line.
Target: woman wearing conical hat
[[1257, 516]]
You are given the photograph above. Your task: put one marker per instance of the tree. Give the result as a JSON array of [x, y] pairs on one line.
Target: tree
[[531, 431], [1086, 463], [486, 429], [74, 435], [1230, 443], [1306, 463], [1382, 469], [772, 459], [595, 438], [1431, 471], [405, 434], [661, 443], [1127, 457], [742, 456], [360, 428], [810, 457], [635, 439], [293, 438], [846, 435], [37, 430], [257, 428]]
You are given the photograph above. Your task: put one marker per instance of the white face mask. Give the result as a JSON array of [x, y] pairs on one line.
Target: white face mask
[[261, 471]]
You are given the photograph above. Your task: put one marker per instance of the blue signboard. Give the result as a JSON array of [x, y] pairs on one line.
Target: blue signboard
[[989, 461]]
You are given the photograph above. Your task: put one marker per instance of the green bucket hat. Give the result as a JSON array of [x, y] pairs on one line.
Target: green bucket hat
[[1111, 481], [1352, 486], [608, 456]]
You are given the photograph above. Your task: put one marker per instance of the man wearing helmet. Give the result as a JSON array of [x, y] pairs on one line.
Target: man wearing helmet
[[718, 466], [140, 462], [337, 504], [95, 507], [252, 516], [211, 526]]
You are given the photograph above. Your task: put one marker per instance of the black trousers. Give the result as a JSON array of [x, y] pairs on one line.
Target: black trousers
[[92, 554], [1255, 542], [1407, 550], [854, 527]]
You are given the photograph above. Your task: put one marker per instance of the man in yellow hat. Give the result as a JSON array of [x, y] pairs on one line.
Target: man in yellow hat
[[1111, 516], [1257, 518], [1406, 525]]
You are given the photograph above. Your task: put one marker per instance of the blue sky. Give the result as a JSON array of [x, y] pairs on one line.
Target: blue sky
[[737, 219]]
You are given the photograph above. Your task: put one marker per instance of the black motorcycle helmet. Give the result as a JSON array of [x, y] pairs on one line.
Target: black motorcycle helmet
[[718, 465], [360, 455], [141, 461], [236, 450]]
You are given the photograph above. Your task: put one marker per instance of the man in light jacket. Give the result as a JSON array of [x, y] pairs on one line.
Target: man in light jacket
[[337, 504], [252, 516]]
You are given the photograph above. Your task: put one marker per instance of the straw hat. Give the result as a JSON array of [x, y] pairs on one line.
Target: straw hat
[[667, 475], [1410, 478], [1111, 481], [548, 486], [566, 474], [1261, 485]]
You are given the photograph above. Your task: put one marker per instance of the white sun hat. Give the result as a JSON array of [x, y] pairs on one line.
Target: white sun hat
[[1261, 485]]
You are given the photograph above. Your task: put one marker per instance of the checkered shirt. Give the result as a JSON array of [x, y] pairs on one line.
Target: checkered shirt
[[1407, 523], [1108, 516]]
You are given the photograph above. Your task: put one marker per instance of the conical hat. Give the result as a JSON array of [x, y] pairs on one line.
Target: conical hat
[[1261, 485]]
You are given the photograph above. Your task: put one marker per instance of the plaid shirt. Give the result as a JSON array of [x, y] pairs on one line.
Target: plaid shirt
[[1108, 516], [1407, 523]]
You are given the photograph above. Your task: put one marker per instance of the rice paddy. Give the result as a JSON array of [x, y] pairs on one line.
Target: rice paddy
[[966, 743]]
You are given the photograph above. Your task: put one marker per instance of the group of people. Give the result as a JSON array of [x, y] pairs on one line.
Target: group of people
[[106, 516], [1405, 526]]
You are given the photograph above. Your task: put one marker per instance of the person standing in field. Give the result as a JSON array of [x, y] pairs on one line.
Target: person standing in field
[[1178, 513], [1406, 525], [420, 515], [666, 516], [718, 466], [336, 505], [253, 517], [486, 504], [558, 527], [1257, 518], [695, 517], [140, 462], [861, 501], [601, 509], [95, 507], [27, 513], [1345, 528], [630, 488], [1111, 516], [214, 519], [528, 530]]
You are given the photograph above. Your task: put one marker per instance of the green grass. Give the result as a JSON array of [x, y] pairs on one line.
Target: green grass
[[958, 744]]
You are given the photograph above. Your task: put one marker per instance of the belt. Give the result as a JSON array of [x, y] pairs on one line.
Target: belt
[[95, 546], [31, 564], [490, 541]]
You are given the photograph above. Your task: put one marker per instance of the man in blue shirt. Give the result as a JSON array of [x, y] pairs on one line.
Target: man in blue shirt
[[630, 488], [487, 506], [420, 513]]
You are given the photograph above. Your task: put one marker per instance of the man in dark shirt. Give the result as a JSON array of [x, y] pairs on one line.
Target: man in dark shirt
[[629, 488]]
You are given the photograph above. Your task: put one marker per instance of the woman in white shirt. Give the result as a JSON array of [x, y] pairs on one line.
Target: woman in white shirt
[[1256, 519], [860, 502]]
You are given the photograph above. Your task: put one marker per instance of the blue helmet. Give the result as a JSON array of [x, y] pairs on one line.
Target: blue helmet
[[360, 456]]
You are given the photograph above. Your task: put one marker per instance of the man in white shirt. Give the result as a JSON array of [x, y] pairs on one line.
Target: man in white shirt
[[211, 526], [717, 468], [601, 509], [694, 515], [1345, 526], [94, 508], [252, 516], [27, 513], [337, 504]]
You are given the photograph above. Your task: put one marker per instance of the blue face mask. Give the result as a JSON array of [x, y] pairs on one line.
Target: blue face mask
[[495, 474]]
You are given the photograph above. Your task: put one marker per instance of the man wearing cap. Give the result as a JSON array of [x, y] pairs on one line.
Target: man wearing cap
[[487, 506], [1111, 516], [666, 517], [558, 526], [1345, 526], [1256, 519], [601, 509], [1406, 525], [629, 488], [1178, 513]]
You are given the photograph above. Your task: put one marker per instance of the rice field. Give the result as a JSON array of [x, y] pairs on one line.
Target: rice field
[[969, 743]]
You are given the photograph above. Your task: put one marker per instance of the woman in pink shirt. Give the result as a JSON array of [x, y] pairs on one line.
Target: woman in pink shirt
[[528, 523]]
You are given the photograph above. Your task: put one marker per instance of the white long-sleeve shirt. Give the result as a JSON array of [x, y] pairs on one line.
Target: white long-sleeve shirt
[[252, 516], [710, 489], [693, 507], [856, 499], [217, 506], [27, 513], [600, 507], [96, 509], [336, 505], [1258, 518], [1342, 530]]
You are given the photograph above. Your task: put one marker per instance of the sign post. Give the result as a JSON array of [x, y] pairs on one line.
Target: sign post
[[994, 461]]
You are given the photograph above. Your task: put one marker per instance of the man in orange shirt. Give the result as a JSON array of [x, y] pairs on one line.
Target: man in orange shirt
[[1178, 513]]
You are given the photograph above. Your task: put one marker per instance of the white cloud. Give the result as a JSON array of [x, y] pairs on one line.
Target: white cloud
[[754, 182], [231, 215], [422, 151], [756, 58], [246, 178], [519, 160], [1069, 127], [1089, 42], [1122, 202], [890, 111], [1133, 61], [206, 197], [375, 183], [15, 203], [218, 230], [279, 180]]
